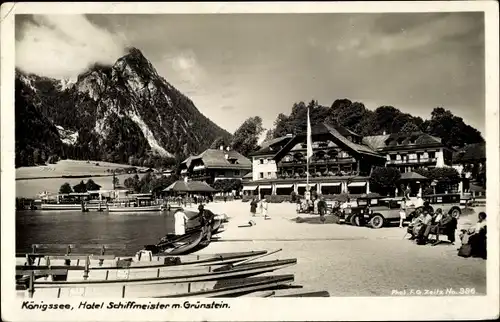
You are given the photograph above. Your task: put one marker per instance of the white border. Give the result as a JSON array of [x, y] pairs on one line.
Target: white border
[[336, 308]]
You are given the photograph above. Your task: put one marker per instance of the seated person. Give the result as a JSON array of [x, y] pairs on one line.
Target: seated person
[[427, 220], [441, 222], [416, 224], [476, 237]]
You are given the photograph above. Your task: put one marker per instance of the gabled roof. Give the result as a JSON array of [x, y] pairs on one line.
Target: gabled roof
[[401, 140], [412, 176], [266, 147], [470, 153], [214, 158], [325, 129], [360, 148]]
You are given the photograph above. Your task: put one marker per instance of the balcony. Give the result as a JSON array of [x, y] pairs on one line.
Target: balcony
[[316, 161], [412, 161]]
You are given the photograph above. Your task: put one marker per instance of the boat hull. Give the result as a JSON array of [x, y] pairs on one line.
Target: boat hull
[[61, 207], [146, 262], [151, 273], [220, 288], [223, 273], [135, 209]]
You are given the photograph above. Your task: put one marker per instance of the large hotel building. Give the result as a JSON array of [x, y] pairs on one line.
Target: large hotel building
[[342, 161]]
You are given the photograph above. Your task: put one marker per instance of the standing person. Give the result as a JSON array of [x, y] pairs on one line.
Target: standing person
[[402, 212], [298, 204], [261, 207], [253, 207], [322, 209], [264, 206], [180, 222], [428, 207], [225, 198]]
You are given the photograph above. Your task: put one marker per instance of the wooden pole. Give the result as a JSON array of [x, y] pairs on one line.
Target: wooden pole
[[86, 271], [31, 284]]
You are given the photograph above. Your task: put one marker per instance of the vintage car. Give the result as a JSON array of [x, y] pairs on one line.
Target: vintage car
[[375, 212], [452, 203]]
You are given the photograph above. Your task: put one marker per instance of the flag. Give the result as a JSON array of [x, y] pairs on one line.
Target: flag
[[309, 137]]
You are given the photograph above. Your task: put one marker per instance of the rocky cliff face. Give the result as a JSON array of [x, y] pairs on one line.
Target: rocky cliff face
[[112, 113]]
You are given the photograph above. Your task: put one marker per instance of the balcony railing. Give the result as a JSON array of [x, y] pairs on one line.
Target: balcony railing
[[317, 161], [415, 161]]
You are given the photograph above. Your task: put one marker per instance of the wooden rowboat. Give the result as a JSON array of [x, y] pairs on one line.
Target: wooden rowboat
[[146, 260], [147, 276], [180, 244], [213, 288], [73, 275]]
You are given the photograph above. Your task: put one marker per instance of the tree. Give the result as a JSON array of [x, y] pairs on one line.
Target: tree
[[218, 142], [91, 185], [116, 181], [384, 180], [227, 185], [65, 188], [246, 137], [80, 188], [409, 127]]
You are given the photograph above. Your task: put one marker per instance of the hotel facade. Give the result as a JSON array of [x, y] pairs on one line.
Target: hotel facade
[[341, 163]]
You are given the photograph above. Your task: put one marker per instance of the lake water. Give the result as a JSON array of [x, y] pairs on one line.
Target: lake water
[[133, 231]]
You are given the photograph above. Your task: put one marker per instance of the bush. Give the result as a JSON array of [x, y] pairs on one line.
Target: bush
[[277, 199], [384, 180]]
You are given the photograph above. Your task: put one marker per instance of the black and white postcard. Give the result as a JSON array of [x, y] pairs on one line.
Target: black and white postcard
[[281, 161]]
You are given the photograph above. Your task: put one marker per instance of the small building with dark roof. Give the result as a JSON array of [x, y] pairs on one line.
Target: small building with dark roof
[[215, 164]]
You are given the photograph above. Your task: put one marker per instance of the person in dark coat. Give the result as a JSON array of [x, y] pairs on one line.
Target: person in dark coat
[[322, 209], [253, 207]]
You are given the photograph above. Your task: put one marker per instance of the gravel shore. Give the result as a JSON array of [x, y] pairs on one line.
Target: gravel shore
[[346, 260]]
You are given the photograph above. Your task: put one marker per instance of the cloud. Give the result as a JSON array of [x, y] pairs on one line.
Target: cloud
[[187, 67], [409, 35], [227, 108], [63, 46]]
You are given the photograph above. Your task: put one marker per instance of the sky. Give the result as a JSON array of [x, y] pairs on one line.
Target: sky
[[234, 66]]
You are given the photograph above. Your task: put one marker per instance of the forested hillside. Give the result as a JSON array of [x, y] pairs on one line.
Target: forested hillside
[[355, 116]]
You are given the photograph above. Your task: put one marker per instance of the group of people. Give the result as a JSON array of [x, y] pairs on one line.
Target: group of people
[[427, 221], [181, 219], [262, 204], [316, 205]]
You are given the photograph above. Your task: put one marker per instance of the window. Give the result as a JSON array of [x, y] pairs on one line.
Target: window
[[261, 161], [432, 154], [236, 172], [269, 174], [261, 175]]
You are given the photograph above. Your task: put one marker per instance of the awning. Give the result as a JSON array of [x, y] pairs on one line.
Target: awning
[[284, 185], [265, 186], [357, 184], [331, 184], [305, 185], [249, 188]]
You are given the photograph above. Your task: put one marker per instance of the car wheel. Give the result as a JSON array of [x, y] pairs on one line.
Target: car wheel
[[352, 220], [455, 213], [377, 221]]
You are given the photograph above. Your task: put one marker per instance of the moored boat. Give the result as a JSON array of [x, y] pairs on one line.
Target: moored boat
[[144, 202], [147, 275], [141, 260], [171, 277], [211, 288]]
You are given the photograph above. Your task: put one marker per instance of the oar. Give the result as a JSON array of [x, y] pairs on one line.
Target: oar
[[254, 258]]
